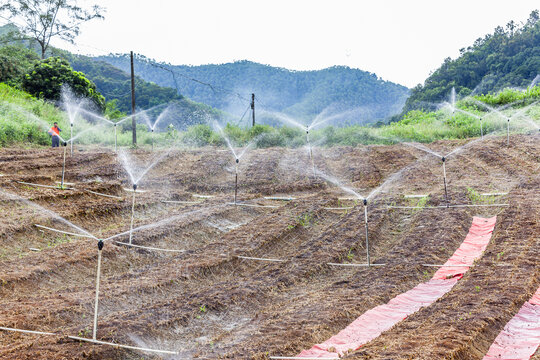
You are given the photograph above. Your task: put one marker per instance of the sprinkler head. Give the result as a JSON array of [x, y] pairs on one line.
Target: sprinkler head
[[71, 124], [152, 129], [365, 202], [64, 143], [307, 131], [134, 187], [443, 159], [115, 124], [237, 160], [100, 245]]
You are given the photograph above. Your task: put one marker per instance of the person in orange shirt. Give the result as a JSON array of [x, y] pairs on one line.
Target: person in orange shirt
[[55, 134]]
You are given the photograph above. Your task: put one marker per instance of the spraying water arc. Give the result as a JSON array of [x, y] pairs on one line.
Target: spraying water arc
[[132, 213]]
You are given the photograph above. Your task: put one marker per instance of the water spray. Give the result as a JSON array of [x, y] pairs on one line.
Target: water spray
[[132, 213], [63, 165], [98, 277], [236, 179], [71, 137], [444, 177], [367, 234]]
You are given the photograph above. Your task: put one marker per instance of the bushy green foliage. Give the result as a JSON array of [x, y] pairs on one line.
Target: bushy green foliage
[[46, 79], [15, 61], [508, 96], [507, 58]]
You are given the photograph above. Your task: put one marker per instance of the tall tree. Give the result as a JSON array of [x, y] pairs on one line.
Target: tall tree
[[43, 20]]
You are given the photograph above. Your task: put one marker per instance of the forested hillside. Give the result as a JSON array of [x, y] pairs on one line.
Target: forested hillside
[[510, 57], [299, 93]]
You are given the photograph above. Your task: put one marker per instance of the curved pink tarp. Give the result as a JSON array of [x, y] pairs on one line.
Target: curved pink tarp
[[521, 336], [381, 318]]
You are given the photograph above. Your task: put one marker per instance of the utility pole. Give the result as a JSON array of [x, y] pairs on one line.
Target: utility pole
[[133, 120], [253, 109]]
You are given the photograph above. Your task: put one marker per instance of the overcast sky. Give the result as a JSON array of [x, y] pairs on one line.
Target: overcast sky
[[399, 40]]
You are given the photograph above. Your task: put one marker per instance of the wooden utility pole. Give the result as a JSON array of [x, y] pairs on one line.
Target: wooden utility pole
[[133, 120], [253, 109]]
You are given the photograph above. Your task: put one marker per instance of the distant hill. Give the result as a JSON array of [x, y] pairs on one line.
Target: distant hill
[[299, 93], [510, 57]]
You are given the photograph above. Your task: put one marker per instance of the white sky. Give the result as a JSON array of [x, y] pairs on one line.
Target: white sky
[[399, 40]]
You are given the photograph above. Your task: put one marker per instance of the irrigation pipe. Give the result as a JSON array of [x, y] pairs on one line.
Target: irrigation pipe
[[202, 196], [254, 205], [279, 198], [180, 202], [368, 265], [106, 195], [338, 208], [94, 341], [299, 358], [27, 331], [64, 232], [45, 186], [98, 277], [444, 206], [147, 247], [437, 265], [258, 259]]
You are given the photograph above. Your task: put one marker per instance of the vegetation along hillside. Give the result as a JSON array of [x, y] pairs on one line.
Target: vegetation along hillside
[[509, 57], [301, 94]]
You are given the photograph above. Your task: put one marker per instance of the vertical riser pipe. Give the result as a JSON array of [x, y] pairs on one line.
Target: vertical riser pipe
[[132, 216], [96, 303]]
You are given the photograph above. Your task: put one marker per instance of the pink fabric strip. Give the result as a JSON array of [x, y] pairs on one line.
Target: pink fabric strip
[[381, 318]]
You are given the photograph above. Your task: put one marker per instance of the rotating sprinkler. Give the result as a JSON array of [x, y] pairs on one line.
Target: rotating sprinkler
[[444, 179], [236, 179], [367, 234], [132, 213], [507, 131], [64, 143], [310, 151], [98, 276], [71, 137], [115, 137]]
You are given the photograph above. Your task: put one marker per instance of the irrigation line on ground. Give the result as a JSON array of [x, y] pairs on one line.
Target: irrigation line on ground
[[338, 208], [439, 265], [148, 248], [180, 202], [254, 205], [27, 331], [106, 195], [259, 259], [45, 186], [444, 206], [279, 198], [65, 232], [122, 346], [367, 265], [300, 358]]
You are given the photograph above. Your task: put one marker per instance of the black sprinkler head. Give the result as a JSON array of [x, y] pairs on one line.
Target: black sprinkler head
[[71, 124], [443, 159], [237, 160], [64, 143], [100, 245], [134, 187], [365, 202]]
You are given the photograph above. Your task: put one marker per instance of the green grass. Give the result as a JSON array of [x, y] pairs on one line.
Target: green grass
[[24, 121]]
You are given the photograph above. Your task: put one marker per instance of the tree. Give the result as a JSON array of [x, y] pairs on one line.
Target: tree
[[46, 19], [45, 81]]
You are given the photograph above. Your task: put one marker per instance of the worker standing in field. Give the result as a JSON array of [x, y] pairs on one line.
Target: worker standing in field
[[55, 133]]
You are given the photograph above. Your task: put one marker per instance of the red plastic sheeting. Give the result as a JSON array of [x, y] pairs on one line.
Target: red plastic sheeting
[[381, 318], [521, 336]]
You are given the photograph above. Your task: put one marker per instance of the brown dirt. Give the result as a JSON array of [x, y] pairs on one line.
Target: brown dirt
[[207, 303]]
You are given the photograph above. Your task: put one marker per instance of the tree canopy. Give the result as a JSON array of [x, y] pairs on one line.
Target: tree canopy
[[45, 81]]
